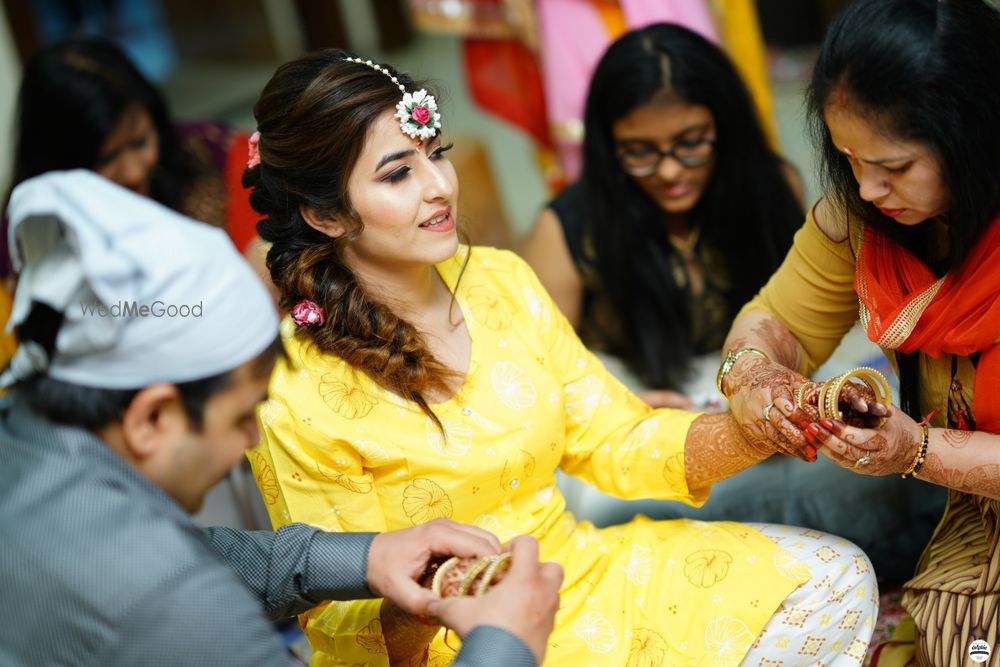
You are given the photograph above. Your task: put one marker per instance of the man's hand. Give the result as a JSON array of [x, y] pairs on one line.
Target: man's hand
[[524, 603], [397, 559]]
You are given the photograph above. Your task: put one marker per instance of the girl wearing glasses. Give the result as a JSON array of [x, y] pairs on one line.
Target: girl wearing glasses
[[681, 213]]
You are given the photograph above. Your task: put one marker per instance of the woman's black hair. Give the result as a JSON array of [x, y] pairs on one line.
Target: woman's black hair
[[925, 71], [748, 211], [72, 96]]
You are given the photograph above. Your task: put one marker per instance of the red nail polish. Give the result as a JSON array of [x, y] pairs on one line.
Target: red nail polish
[[827, 424], [814, 430], [811, 451], [803, 425]]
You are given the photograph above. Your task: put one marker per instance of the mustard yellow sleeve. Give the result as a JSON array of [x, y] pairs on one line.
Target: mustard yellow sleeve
[[614, 441], [812, 293], [310, 476]]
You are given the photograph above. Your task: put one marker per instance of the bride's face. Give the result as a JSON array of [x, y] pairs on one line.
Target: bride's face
[[406, 194]]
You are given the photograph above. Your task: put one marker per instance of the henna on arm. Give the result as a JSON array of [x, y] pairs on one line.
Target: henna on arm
[[966, 461], [716, 448], [776, 337], [405, 637], [761, 330]]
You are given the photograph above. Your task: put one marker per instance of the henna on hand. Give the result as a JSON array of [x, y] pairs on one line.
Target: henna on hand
[[856, 402], [405, 635], [716, 448], [888, 450]]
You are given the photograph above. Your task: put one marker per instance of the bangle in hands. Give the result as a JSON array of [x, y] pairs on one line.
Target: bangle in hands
[[466, 576], [829, 393]]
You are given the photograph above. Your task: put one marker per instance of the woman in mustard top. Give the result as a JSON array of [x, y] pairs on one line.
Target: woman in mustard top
[[425, 379], [906, 97]]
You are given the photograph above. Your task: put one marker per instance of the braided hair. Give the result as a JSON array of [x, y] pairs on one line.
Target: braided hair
[[313, 117]]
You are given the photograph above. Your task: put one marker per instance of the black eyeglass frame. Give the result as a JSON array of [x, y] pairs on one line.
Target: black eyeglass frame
[[689, 161]]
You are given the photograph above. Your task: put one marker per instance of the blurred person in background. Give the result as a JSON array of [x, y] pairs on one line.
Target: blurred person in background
[[83, 104]]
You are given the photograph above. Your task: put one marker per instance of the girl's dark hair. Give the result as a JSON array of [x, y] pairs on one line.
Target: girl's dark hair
[[313, 117], [72, 96], [926, 71], [748, 211]]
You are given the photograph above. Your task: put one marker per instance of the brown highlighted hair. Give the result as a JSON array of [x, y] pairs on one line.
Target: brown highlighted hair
[[313, 117]]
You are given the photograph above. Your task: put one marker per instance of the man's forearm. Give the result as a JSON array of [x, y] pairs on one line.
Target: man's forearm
[[296, 567]]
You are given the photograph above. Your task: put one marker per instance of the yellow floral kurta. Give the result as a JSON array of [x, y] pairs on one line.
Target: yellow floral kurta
[[343, 454]]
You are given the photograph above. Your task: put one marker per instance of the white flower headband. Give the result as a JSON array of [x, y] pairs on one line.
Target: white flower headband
[[417, 113]]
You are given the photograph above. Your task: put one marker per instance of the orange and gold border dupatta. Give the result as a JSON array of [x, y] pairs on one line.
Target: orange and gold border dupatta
[[905, 307]]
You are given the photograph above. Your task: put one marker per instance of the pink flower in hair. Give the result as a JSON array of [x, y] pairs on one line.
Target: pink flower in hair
[[253, 146], [307, 313]]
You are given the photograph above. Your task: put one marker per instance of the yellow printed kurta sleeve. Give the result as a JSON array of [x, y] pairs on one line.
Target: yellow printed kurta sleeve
[[812, 293], [613, 439]]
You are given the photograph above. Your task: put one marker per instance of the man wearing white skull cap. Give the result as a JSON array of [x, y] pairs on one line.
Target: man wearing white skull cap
[[146, 345]]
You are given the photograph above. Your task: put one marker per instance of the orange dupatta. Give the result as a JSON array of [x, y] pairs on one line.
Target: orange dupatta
[[905, 307]]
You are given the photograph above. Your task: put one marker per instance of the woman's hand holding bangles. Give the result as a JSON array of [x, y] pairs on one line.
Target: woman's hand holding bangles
[[889, 449], [762, 397], [860, 397]]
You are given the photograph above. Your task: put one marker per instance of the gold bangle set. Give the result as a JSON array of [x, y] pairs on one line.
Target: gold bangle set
[[480, 572], [829, 393]]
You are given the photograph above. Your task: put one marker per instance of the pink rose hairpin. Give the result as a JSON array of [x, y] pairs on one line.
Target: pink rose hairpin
[[307, 313], [417, 112], [253, 150]]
